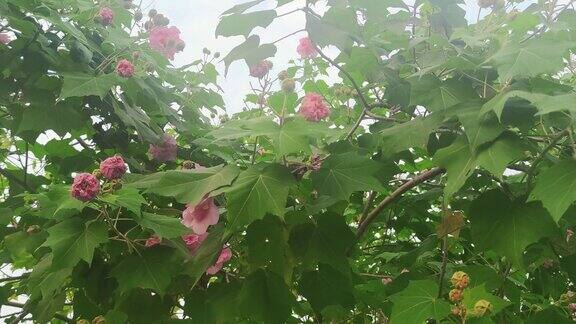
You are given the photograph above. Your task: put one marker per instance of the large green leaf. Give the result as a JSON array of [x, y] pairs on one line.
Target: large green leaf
[[152, 268], [244, 23], [250, 51], [544, 103], [165, 226], [534, 57], [80, 85], [411, 134], [343, 174], [73, 240], [459, 162], [325, 287], [258, 190], [190, 186], [417, 303], [555, 187], [327, 241], [508, 227], [265, 297], [498, 155], [473, 295]]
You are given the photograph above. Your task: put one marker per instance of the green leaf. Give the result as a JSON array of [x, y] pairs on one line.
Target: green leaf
[[265, 297], [556, 188], [508, 227], [61, 118], [411, 134], [480, 128], [81, 85], [417, 303], [244, 23], [472, 295], [534, 57], [327, 241], [343, 174], [459, 163], [544, 103], [57, 203], [435, 95], [73, 240], [240, 8], [267, 244], [326, 287], [259, 190], [128, 198], [165, 226], [152, 268], [496, 157], [190, 186], [250, 51]]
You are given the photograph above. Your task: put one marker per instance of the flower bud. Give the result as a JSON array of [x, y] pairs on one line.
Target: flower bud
[[136, 55], [99, 320], [82, 321], [283, 75], [455, 295], [288, 85], [460, 279], [138, 15], [217, 55], [206, 51], [188, 165], [148, 25], [482, 307], [572, 307], [152, 13]]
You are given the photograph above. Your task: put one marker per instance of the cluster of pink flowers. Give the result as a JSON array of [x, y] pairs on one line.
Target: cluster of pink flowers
[[198, 217], [306, 48], [106, 16], [5, 38], [260, 69], [113, 167], [313, 107], [85, 187], [125, 68], [165, 151], [166, 40]]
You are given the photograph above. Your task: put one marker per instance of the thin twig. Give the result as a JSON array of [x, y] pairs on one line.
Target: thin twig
[[555, 139]]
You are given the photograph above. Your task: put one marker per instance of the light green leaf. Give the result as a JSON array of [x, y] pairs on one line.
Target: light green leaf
[[259, 190], [508, 227], [544, 103], [165, 226], [417, 303], [496, 157], [534, 57], [459, 162], [556, 188], [343, 174], [244, 23], [73, 240], [480, 128], [414, 133], [250, 51], [190, 186], [129, 198], [80, 85], [57, 203]]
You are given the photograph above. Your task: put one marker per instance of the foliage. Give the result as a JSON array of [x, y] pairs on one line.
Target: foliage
[[438, 189]]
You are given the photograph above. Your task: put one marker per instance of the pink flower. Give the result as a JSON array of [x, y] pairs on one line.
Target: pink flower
[[113, 167], [166, 40], [224, 257], [166, 151], [125, 68], [106, 16], [5, 38], [193, 241], [200, 216], [572, 307], [153, 240], [261, 69], [85, 187], [306, 48], [313, 107]]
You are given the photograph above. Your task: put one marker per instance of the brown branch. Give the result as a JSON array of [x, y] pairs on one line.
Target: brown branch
[[418, 179], [23, 306], [24, 276]]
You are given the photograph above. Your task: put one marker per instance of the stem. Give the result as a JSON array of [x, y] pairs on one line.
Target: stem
[[442, 268], [284, 37], [555, 139], [429, 174]]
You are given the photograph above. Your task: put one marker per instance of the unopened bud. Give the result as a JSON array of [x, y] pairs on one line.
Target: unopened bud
[[217, 55], [288, 85], [99, 320], [206, 51], [482, 307], [152, 13], [138, 15], [282, 75]]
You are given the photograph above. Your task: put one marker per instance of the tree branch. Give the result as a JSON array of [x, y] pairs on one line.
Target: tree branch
[[431, 173]]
